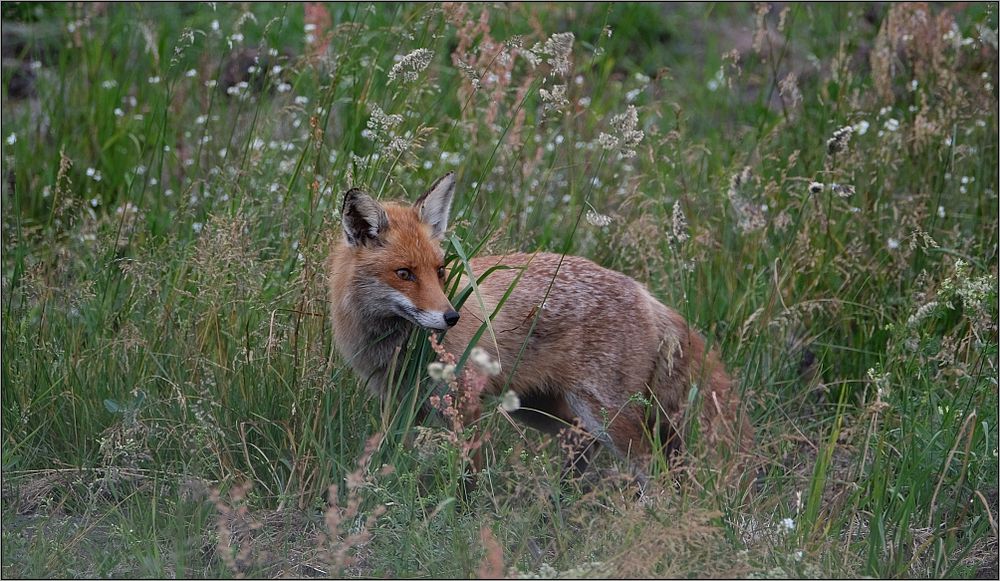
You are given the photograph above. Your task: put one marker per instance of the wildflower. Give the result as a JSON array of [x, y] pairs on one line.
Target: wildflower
[[680, 225], [843, 190], [555, 99], [788, 88], [892, 243], [484, 361], [891, 124], [409, 66], [94, 174], [626, 137], [973, 291], [940, 212], [153, 80], [840, 139], [558, 47], [510, 402], [816, 187], [751, 216], [12, 139], [788, 524], [381, 126], [921, 314], [715, 82], [861, 127], [109, 84], [599, 220], [440, 371]]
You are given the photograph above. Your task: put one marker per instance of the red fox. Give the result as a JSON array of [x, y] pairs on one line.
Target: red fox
[[578, 343]]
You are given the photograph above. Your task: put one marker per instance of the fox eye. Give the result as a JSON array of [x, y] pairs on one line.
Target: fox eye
[[441, 272], [405, 274]]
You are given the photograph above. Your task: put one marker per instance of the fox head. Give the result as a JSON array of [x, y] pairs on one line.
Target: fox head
[[396, 250]]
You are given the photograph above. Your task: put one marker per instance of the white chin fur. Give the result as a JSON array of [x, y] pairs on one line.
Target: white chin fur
[[426, 319]]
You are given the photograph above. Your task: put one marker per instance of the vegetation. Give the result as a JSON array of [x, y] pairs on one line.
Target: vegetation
[[813, 186]]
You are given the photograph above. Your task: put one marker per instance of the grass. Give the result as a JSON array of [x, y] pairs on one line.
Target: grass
[[164, 318]]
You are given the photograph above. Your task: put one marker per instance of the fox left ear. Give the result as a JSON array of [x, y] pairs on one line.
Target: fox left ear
[[435, 204]]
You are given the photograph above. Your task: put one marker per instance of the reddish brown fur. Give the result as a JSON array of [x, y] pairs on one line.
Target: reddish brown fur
[[599, 339]]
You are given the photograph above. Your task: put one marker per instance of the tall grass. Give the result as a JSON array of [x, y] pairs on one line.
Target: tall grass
[[167, 213]]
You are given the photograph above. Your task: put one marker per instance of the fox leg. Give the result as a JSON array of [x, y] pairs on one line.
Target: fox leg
[[621, 428], [552, 414]]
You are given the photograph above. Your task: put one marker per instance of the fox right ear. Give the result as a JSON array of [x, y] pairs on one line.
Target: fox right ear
[[364, 219]]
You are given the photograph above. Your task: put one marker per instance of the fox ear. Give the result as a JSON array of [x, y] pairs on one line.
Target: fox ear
[[435, 204], [364, 219]]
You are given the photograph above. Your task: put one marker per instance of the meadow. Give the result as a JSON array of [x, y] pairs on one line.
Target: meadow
[[812, 186]]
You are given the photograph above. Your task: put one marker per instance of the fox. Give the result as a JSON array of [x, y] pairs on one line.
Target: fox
[[580, 345]]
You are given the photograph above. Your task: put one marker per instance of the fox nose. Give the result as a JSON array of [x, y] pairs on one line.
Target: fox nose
[[451, 317]]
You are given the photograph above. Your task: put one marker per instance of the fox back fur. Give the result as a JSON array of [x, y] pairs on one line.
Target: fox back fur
[[592, 338]]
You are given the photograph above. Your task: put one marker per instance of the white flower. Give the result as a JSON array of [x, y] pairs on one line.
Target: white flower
[[715, 82], [554, 99], [511, 402], [625, 136], [12, 139], [892, 124], [788, 524], [485, 361], [409, 66], [892, 243], [558, 47], [679, 224], [861, 127], [843, 190], [599, 220]]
